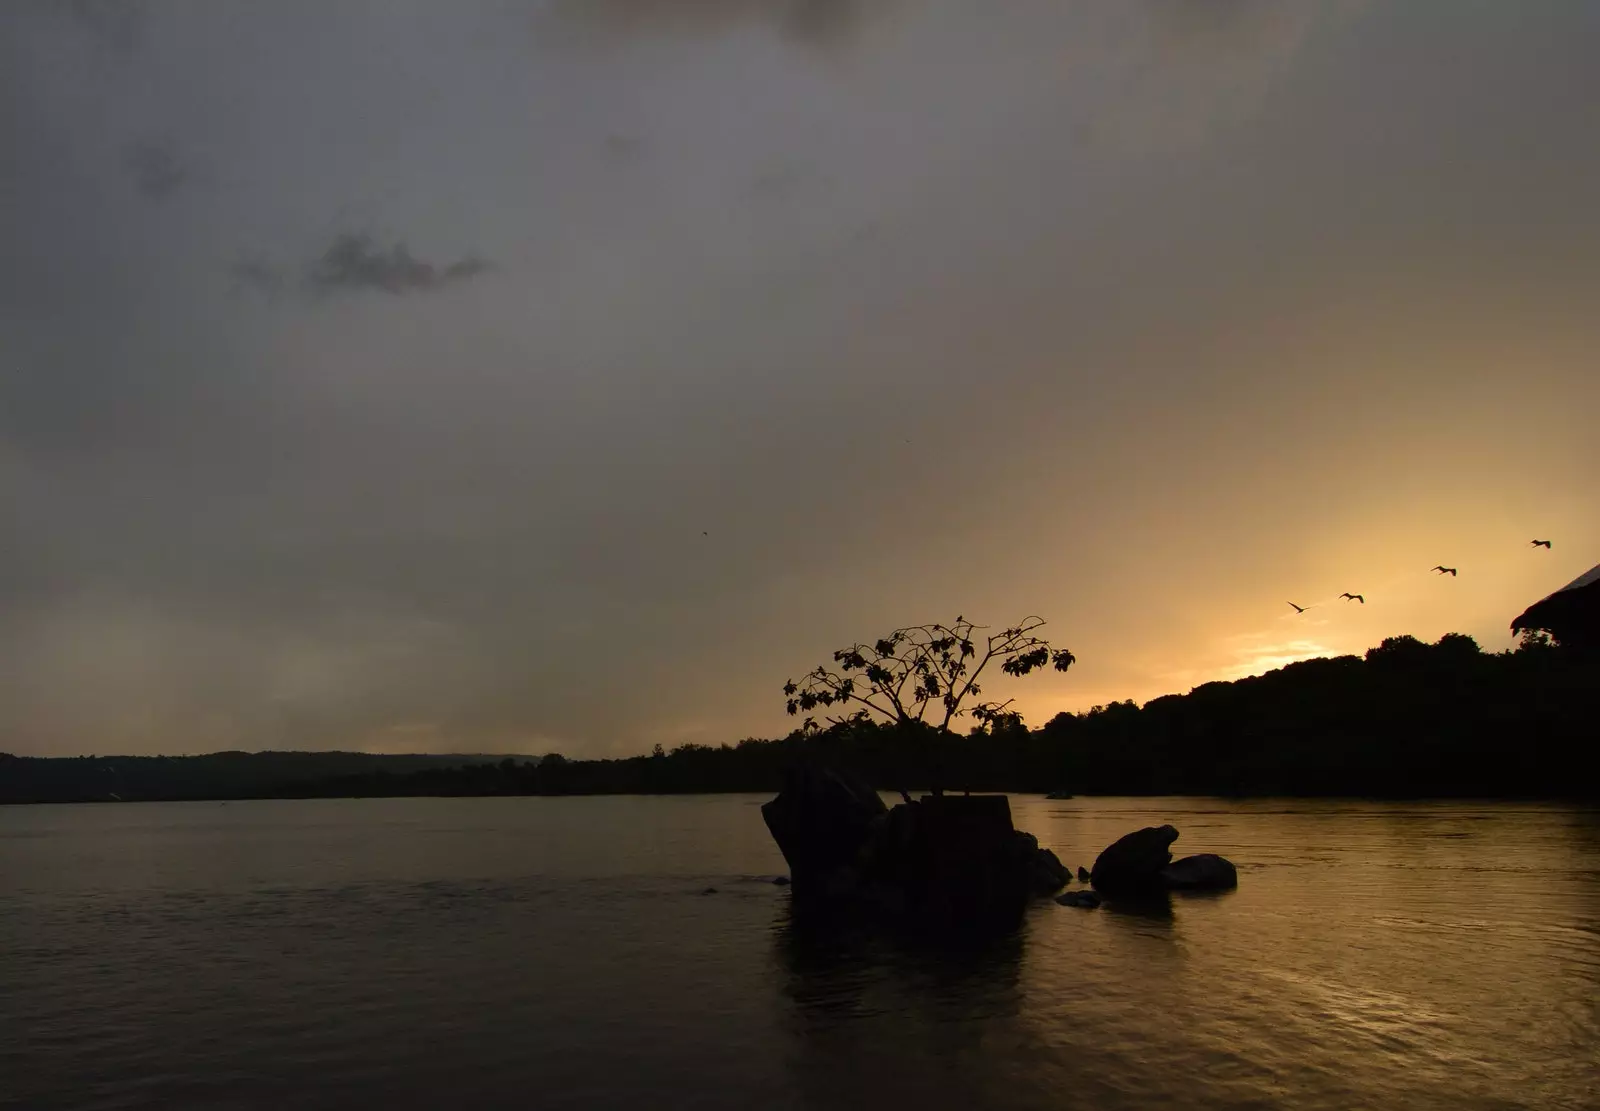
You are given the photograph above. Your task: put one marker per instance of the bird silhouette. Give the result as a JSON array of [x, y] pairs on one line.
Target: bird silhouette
[[1354, 597], [1540, 544], [1443, 570], [1298, 609]]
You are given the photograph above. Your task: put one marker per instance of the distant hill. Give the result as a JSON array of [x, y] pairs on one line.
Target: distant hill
[[217, 775]]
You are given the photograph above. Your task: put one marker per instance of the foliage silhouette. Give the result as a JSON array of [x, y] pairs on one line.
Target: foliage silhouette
[[900, 676], [896, 679]]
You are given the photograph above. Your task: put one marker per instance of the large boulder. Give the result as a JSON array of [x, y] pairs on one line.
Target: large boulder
[[1205, 872], [967, 864], [1134, 863], [821, 820]]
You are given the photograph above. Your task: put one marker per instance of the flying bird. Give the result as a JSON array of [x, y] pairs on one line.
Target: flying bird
[[1298, 609], [1443, 570], [1540, 544], [1354, 597]]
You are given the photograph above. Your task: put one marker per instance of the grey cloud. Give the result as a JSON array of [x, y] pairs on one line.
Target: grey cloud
[[1196, 20], [254, 274], [118, 23], [816, 22], [779, 182], [356, 262], [155, 168], [624, 148], [1183, 68], [1238, 31]]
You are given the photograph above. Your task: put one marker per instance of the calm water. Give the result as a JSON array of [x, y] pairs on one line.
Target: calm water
[[560, 953]]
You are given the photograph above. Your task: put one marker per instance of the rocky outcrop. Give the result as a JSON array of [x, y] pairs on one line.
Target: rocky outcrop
[[1133, 863], [1141, 863], [953, 860], [1205, 872], [943, 860]]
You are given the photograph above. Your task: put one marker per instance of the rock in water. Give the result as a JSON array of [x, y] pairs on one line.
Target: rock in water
[[820, 820], [780, 881], [1134, 863], [940, 862], [1086, 899], [1205, 872], [1083, 874], [967, 863], [1048, 873]]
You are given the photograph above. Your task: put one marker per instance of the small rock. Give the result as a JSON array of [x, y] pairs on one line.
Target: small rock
[[780, 881], [1088, 900], [709, 891], [1083, 874], [1204, 872]]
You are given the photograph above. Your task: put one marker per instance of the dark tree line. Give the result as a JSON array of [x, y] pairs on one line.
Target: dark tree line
[[1409, 719]]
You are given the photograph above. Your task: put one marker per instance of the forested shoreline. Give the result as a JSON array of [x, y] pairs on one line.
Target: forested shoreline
[[1408, 719]]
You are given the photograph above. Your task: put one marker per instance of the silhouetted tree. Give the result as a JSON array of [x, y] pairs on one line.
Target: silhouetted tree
[[1533, 640], [1458, 647], [1403, 650], [899, 678]]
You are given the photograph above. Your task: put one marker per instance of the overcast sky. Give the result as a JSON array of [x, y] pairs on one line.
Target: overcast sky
[[517, 376]]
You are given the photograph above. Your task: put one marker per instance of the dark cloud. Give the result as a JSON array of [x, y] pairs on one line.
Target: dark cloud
[[353, 262], [357, 262], [815, 22], [154, 167]]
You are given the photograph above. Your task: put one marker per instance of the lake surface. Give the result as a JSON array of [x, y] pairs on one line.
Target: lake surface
[[556, 953]]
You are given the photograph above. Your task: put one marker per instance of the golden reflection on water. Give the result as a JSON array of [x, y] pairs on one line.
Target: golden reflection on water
[[1397, 955], [564, 952]]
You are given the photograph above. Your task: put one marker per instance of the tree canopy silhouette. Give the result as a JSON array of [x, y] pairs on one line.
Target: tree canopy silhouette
[[900, 677]]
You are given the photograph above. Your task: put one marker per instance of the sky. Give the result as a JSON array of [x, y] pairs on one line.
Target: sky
[[513, 376]]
